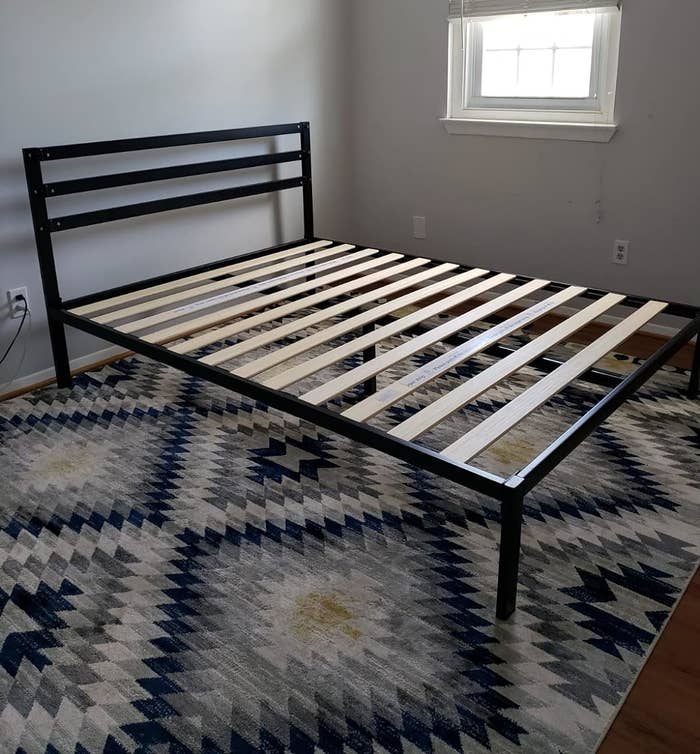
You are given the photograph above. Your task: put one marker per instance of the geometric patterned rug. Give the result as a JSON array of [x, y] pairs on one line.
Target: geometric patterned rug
[[185, 570]]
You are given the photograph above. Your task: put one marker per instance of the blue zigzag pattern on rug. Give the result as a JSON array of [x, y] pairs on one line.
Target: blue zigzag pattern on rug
[[184, 570]]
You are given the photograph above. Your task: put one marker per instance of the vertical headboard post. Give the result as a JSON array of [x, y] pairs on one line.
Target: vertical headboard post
[[307, 188], [47, 264]]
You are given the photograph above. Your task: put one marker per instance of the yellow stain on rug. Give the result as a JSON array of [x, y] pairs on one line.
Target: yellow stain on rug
[[65, 464], [325, 614]]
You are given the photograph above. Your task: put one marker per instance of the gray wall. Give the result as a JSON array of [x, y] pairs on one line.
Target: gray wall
[[371, 76], [82, 70], [525, 205]]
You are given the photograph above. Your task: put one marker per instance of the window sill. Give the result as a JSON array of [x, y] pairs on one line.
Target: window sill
[[520, 129]]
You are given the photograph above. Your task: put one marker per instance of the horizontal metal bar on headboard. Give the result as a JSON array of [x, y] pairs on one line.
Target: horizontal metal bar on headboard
[[96, 217], [159, 142], [112, 180]]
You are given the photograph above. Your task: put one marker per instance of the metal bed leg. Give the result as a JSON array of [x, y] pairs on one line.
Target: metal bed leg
[[694, 385], [509, 556], [309, 278], [59, 348], [368, 354]]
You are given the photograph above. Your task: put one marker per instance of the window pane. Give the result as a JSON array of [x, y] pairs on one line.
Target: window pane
[[538, 30], [538, 55], [499, 74], [572, 73], [575, 30], [502, 33], [535, 79]]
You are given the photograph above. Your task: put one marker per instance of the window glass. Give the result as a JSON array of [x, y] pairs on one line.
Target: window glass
[[537, 55]]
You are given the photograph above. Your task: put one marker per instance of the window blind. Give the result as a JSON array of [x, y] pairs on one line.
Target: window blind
[[475, 8]]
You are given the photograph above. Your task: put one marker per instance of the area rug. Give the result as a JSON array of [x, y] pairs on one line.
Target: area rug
[[184, 570]]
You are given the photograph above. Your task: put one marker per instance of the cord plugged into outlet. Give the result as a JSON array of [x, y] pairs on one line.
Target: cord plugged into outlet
[[18, 299], [19, 308]]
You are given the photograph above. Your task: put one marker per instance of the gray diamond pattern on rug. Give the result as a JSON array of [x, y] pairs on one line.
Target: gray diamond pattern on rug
[[183, 570]]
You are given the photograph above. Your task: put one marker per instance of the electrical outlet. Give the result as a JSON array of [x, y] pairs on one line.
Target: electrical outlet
[[17, 305], [419, 227], [621, 252]]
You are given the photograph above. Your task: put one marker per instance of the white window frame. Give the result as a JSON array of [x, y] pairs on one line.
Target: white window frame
[[590, 118]]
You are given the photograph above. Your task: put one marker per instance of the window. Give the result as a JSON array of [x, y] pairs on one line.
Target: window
[[537, 68]]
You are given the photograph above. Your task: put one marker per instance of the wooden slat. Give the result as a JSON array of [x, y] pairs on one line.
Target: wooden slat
[[285, 330], [221, 316], [372, 368], [218, 285], [245, 292], [221, 333], [408, 384], [324, 360], [489, 430], [154, 290], [468, 391], [304, 344]]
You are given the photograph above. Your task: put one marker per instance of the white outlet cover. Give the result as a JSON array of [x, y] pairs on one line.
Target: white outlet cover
[[419, 227], [17, 308], [621, 252]]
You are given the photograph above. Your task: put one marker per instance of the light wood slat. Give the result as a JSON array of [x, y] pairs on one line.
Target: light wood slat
[[481, 437], [304, 344], [469, 391], [125, 298], [324, 360], [218, 285], [221, 333], [207, 321], [408, 384], [282, 331], [245, 292], [372, 368]]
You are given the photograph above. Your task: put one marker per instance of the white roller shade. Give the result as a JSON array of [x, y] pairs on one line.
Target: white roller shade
[[475, 8]]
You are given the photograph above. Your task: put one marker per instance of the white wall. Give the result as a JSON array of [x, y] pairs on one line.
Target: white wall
[[80, 70], [529, 206]]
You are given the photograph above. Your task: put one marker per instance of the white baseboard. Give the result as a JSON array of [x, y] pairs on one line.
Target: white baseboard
[[46, 374]]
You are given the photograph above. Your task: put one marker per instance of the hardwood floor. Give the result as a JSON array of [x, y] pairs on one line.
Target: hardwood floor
[[662, 714]]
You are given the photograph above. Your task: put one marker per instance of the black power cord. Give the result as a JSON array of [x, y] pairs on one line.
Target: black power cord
[[19, 329]]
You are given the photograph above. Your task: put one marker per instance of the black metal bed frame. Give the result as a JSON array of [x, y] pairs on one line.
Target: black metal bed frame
[[510, 491]]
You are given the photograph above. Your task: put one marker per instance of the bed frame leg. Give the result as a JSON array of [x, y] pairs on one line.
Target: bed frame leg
[[509, 556], [694, 384], [59, 348], [368, 354]]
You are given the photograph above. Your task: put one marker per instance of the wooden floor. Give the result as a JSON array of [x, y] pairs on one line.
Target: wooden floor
[[662, 714], [641, 345]]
